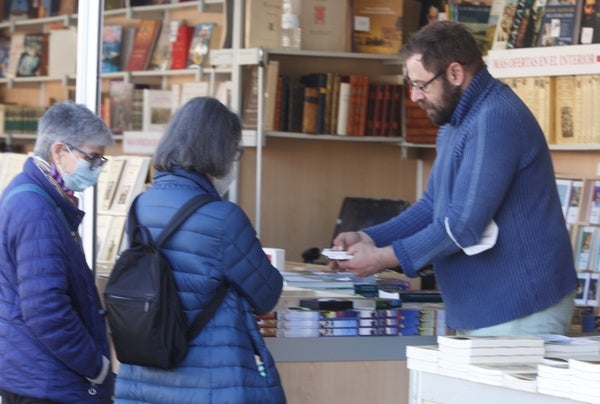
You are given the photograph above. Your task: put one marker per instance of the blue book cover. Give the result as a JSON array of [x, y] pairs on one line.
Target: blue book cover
[[111, 48]]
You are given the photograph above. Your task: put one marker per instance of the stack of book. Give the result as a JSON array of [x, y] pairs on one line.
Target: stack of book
[[554, 377], [338, 323], [562, 346], [432, 318], [498, 374], [297, 323], [459, 353], [422, 358], [585, 378]]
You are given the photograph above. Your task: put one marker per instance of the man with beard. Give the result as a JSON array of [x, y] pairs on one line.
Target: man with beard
[[490, 219]]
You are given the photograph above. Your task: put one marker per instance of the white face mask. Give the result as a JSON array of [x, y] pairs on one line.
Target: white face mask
[[222, 184]]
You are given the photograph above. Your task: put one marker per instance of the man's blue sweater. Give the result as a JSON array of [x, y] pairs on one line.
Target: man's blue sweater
[[492, 163]]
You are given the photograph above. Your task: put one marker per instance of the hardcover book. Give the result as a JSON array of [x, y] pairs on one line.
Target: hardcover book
[[262, 24], [561, 23], [377, 26], [121, 106], [62, 52], [200, 44], [181, 46], [326, 25], [111, 48], [143, 45], [33, 61]]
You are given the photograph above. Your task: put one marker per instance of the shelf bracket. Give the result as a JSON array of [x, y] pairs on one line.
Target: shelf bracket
[[199, 73], [201, 5], [13, 26], [68, 20], [10, 83]]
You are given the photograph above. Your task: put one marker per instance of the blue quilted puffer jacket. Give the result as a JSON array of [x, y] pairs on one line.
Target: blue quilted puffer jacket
[[52, 333], [216, 244]]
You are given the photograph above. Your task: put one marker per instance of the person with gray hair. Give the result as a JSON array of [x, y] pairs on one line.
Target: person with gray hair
[[227, 361], [53, 339]]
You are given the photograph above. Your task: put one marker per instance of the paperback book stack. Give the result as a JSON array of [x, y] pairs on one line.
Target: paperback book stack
[[432, 318], [422, 358], [298, 323], [585, 378], [338, 323], [267, 324], [566, 347], [554, 377], [459, 353], [377, 322]]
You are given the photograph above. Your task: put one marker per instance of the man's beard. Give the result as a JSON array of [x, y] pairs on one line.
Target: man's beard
[[441, 114]]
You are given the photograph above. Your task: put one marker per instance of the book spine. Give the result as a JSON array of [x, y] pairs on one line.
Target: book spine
[[310, 111]]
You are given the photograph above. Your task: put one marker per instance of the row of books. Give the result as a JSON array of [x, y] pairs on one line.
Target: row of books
[[512, 24], [32, 54], [19, 119], [365, 26], [554, 365], [325, 103], [353, 322], [564, 106], [156, 45], [122, 178], [13, 10], [131, 107], [580, 199]]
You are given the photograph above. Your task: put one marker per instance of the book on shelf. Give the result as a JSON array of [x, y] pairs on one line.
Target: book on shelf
[[143, 44], [295, 105], [586, 240], [19, 10], [4, 54], [33, 59], [475, 16], [575, 201], [563, 186], [121, 106], [62, 52], [310, 110], [561, 23], [583, 284], [159, 106], [262, 24], [111, 244], [132, 182], [316, 81], [127, 40], [326, 25], [200, 44], [108, 181], [270, 96], [111, 48], [161, 55], [343, 108], [504, 25], [67, 7], [377, 26], [181, 46], [520, 25], [590, 23], [48, 8]]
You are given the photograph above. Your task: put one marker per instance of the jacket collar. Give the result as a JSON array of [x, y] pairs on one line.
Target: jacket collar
[[200, 180], [473, 95], [72, 213]]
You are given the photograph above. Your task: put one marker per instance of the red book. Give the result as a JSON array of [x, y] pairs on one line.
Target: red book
[[143, 45], [181, 47]]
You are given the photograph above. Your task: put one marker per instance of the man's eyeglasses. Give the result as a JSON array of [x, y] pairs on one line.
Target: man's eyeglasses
[[238, 154], [422, 87], [95, 160]]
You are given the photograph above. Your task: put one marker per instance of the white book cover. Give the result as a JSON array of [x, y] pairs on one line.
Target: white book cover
[[563, 187], [159, 106], [583, 283], [133, 180], [492, 351], [575, 200], [343, 109], [62, 52], [505, 341], [594, 203], [108, 181], [585, 246], [449, 358]]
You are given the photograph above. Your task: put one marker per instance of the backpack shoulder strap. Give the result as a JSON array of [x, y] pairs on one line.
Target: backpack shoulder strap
[[40, 191], [182, 215]]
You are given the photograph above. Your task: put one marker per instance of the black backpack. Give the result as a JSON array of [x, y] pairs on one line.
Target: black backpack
[[146, 318]]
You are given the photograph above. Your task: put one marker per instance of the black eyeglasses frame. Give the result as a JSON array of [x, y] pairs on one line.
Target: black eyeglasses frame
[[95, 160]]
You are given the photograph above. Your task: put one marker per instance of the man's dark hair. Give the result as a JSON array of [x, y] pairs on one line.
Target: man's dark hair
[[441, 43]]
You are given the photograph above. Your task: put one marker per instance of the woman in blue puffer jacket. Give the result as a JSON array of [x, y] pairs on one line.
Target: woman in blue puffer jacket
[[227, 362], [53, 342]]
